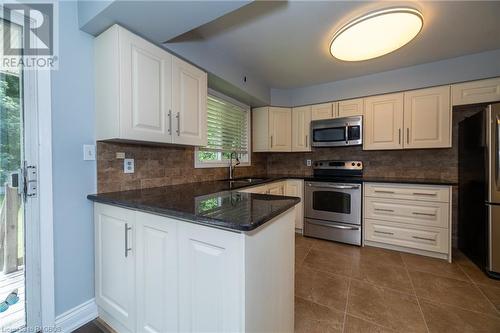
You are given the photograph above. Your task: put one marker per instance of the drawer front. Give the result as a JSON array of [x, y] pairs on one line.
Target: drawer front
[[434, 214], [417, 237], [408, 192]]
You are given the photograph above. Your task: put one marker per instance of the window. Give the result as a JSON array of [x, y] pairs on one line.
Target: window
[[228, 131]]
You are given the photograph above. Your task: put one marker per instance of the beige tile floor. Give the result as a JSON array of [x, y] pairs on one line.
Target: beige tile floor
[[342, 288]]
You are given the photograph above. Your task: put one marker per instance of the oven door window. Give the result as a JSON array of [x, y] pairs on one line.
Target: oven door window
[[332, 201], [330, 134]]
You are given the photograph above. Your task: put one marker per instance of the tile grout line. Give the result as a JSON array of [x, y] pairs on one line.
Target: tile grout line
[[415, 293], [480, 290], [346, 305]]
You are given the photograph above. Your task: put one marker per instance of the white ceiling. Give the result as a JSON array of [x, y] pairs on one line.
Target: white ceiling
[[287, 43]]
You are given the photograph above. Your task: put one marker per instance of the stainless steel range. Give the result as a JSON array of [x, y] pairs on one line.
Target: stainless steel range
[[333, 201]]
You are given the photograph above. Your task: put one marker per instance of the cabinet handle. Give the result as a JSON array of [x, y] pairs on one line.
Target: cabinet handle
[[383, 232], [384, 210], [423, 214], [399, 136], [127, 249], [178, 123], [385, 192], [170, 122], [408, 135], [307, 141], [423, 238], [271, 141], [425, 194]]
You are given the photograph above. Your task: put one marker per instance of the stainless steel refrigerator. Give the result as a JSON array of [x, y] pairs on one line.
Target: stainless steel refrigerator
[[479, 189]]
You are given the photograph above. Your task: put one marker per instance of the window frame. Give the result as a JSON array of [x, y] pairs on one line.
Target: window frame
[[224, 163]]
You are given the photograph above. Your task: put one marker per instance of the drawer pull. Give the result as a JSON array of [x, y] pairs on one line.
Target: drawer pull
[[425, 194], [424, 214], [385, 192], [423, 238], [384, 210], [383, 232]]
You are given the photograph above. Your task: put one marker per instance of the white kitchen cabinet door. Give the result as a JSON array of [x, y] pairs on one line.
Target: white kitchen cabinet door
[[427, 118], [260, 129], [295, 188], [276, 188], [383, 122], [115, 265], [301, 124], [280, 128], [156, 273], [145, 89], [481, 91], [351, 107], [189, 104], [211, 279], [324, 111]]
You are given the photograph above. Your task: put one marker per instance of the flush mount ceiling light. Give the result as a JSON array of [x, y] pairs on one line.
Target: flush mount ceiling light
[[375, 34]]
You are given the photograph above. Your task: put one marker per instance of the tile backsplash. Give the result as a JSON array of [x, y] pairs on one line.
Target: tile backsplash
[[159, 166]]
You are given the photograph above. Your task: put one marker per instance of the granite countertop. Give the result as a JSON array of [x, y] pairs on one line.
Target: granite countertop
[[216, 204]]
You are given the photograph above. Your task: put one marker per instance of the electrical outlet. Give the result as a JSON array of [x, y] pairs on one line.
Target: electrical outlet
[[308, 162], [88, 152], [128, 165]]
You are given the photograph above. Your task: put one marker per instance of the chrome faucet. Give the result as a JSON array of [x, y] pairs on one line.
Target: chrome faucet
[[231, 166]]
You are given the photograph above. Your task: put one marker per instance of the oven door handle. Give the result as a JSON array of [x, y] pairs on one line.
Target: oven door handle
[[338, 187], [333, 225]]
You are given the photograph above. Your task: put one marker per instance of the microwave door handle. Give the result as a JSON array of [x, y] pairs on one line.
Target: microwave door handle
[[346, 133]]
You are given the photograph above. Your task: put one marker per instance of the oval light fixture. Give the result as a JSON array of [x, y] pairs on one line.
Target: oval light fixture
[[375, 34]]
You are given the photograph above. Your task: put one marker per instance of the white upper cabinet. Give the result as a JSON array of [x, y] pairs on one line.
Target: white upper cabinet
[[189, 103], [383, 122], [351, 107], [140, 88], [324, 111], [301, 123], [427, 118], [271, 129], [280, 124], [482, 91]]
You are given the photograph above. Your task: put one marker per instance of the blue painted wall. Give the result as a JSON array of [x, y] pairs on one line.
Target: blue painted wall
[[466, 68], [73, 178]]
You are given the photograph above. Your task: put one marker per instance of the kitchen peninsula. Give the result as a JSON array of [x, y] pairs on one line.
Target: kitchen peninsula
[[195, 257]]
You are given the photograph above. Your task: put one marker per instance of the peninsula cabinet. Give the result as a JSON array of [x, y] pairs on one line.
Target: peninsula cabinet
[[143, 93], [271, 129], [159, 274], [481, 91], [324, 111], [383, 122], [414, 119], [301, 124], [351, 107]]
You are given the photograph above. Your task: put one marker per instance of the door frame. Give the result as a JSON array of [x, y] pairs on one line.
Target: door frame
[[39, 238]]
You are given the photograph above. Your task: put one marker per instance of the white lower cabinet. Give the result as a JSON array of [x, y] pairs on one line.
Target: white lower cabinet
[[295, 188], [158, 274], [115, 266], [409, 218], [156, 279]]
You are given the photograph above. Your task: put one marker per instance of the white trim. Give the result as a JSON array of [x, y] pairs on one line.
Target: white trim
[[76, 317]]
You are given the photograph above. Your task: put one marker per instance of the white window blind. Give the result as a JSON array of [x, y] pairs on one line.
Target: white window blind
[[227, 126]]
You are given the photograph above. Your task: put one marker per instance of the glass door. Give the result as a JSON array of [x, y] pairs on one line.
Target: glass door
[[12, 249]]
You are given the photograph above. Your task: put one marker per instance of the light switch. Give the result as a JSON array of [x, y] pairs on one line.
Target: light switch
[[128, 165], [120, 155], [89, 152]]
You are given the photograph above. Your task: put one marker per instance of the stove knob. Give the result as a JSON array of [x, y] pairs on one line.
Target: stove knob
[[359, 164], [353, 164]]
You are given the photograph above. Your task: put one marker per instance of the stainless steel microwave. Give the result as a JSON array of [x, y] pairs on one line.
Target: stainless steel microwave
[[345, 131]]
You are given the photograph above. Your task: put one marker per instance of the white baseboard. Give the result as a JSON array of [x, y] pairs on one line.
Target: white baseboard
[[77, 317]]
